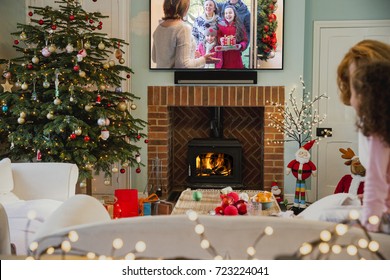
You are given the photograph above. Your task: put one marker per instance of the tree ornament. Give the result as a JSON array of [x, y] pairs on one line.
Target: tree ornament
[[101, 122], [128, 76], [39, 155], [82, 74], [138, 170], [21, 120], [101, 46], [22, 115], [125, 164], [87, 138], [23, 36], [16, 42], [98, 99], [107, 182], [30, 14], [53, 27], [106, 65], [35, 59], [7, 86], [88, 107], [78, 131], [138, 158], [24, 86], [46, 84], [122, 61], [102, 87], [50, 116], [123, 170], [69, 48], [45, 52], [133, 107], [71, 17], [118, 54], [115, 169], [111, 63], [7, 75], [87, 45], [73, 136], [52, 48], [104, 134], [146, 141], [76, 68], [4, 108], [41, 22], [122, 106], [30, 66], [57, 101], [138, 136]]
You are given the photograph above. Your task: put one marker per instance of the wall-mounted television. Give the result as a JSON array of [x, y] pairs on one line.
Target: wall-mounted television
[[263, 30]]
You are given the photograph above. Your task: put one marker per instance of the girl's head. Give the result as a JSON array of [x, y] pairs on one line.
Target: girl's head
[[363, 52], [210, 8], [229, 14], [210, 35], [370, 96], [175, 9]]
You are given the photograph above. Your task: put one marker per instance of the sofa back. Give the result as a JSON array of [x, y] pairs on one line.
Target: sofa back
[[37, 180]]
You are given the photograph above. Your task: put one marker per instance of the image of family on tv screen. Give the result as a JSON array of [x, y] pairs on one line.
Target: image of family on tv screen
[[216, 38]]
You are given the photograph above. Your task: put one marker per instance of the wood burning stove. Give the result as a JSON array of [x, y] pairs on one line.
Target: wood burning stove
[[214, 161]]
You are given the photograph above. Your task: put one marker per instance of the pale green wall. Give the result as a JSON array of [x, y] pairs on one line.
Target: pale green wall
[[322, 10]]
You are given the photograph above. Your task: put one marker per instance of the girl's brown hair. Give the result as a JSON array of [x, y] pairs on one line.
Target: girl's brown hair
[[371, 82], [363, 52], [175, 9]]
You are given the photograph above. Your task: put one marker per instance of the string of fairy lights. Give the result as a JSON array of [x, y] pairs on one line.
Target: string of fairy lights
[[327, 245]]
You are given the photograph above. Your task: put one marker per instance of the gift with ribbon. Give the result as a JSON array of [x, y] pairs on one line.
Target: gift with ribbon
[[145, 204]]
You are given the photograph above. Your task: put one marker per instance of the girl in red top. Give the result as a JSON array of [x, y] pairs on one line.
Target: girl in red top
[[231, 27]]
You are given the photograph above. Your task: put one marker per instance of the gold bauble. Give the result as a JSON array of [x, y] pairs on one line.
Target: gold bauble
[[122, 106]]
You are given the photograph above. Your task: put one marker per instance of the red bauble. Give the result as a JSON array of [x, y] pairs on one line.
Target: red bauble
[[218, 210], [99, 27], [91, 21], [76, 68], [54, 27], [40, 21], [230, 210], [16, 42], [271, 7], [30, 14], [30, 66], [94, 0], [138, 136], [146, 141], [73, 136], [87, 138], [138, 170], [71, 17], [241, 207], [100, 23], [234, 196], [266, 28], [128, 76], [123, 170]]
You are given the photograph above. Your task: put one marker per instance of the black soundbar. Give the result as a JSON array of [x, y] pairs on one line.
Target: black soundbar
[[216, 77]]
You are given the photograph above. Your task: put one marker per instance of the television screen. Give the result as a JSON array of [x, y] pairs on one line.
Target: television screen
[[242, 34]]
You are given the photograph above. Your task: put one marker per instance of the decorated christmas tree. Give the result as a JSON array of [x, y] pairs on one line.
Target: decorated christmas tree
[[62, 99], [267, 24]]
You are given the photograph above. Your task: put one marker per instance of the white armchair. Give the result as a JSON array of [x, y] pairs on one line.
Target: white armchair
[[37, 187]]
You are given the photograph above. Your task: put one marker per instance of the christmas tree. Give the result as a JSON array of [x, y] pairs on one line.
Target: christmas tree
[[267, 24], [62, 99]]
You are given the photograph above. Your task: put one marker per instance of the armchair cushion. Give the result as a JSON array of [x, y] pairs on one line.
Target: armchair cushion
[[7, 182]]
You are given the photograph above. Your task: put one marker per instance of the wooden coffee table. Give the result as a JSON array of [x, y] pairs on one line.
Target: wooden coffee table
[[210, 200]]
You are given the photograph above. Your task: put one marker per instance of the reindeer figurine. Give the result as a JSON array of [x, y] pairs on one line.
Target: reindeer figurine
[[351, 183]]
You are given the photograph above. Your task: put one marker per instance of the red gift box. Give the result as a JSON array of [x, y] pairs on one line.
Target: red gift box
[[127, 203]]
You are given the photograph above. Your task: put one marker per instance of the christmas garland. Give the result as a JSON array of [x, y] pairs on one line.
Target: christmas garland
[[267, 24]]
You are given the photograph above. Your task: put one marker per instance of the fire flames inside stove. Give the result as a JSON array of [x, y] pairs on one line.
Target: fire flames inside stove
[[214, 164]]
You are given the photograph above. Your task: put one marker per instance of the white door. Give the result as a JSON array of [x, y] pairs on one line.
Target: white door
[[331, 41]]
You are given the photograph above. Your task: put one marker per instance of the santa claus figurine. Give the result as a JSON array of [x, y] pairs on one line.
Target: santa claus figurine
[[276, 191], [302, 168]]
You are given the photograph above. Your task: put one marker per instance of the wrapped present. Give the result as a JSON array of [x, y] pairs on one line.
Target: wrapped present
[[145, 204]]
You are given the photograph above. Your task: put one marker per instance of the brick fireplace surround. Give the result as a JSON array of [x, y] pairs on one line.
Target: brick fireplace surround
[[176, 114]]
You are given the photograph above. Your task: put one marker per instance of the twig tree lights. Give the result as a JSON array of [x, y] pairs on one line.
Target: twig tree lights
[[296, 119]]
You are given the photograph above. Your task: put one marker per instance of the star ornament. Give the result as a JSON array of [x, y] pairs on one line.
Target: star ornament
[[7, 86]]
